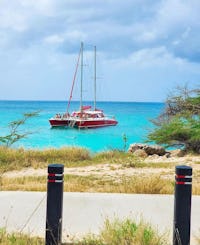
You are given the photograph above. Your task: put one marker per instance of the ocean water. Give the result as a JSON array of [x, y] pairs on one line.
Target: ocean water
[[133, 121]]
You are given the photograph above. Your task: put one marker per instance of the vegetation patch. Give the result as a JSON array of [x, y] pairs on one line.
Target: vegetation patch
[[152, 184], [115, 232], [18, 239], [149, 185], [179, 124], [15, 159], [126, 232]]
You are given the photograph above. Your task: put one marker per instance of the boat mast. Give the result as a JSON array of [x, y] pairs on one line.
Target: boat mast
[[70, 97], [81, 99], [95, 78]]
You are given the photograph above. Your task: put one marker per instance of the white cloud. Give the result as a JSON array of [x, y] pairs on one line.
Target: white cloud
[[132, 35], [75, 35], [119, 28], [44, 7], [12, 18], [158, 57], [53, 39]]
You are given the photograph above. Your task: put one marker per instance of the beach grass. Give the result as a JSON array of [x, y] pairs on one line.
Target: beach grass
[[113, 232], [153, 184], [145, 181], [198, 238], [126, 232], [18, 239], [17, 159]]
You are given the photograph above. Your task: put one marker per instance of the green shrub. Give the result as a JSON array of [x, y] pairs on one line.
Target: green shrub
[[126, 232]]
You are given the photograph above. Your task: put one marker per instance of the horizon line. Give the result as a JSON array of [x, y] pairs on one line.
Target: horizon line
[[88, 101]]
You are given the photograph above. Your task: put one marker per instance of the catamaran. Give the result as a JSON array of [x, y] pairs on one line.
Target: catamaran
[[85, 117]]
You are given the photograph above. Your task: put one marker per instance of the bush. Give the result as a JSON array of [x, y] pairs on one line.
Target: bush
[[126, 232], [179, 124]]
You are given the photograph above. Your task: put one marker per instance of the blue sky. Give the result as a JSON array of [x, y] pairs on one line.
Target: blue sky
[[145, 48]]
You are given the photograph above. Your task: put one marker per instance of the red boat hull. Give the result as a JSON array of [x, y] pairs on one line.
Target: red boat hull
[[94, 123], [59, 122], [81, 124]]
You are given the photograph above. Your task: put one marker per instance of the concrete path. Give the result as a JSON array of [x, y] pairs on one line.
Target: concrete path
[[86, 212]]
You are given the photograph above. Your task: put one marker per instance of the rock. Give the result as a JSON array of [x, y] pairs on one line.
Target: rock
[[140, 153], [177, 153], [153, 157], [134, 147], [168, 154], [149, 149], [154, 149]]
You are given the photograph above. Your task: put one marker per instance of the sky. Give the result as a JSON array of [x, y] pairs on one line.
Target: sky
[[145, 48]]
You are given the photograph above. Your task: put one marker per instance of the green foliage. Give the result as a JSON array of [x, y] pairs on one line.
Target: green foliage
[[179, 124], [125, 232], [125, 140], [116, 232], [18, 239], [178, 130], [15, 134]]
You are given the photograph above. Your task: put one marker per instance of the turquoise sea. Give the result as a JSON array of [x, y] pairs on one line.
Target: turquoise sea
[[133, 121]]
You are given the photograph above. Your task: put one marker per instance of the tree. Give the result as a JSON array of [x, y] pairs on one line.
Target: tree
[[15, 134], [179, 123]]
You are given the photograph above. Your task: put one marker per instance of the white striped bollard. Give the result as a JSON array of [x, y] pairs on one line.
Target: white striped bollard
[[54, 204], [182, 205]]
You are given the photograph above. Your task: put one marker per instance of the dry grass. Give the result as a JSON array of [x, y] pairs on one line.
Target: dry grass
[[15, 159], [23, 184], [151, 185], [18, 239], [198, 238], [144, 182], [154, 184]]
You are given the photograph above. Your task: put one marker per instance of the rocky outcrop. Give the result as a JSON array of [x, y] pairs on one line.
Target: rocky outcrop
[[148, 149], [140, 153], [177, 153]]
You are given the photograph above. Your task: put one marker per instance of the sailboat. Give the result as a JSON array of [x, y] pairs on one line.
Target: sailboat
[[86, 116]]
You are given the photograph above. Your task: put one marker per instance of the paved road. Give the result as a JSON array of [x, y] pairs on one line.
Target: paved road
[[86, 212]]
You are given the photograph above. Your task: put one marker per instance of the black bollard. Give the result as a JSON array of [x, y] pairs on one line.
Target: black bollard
[[182, 205], [54, 204]]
